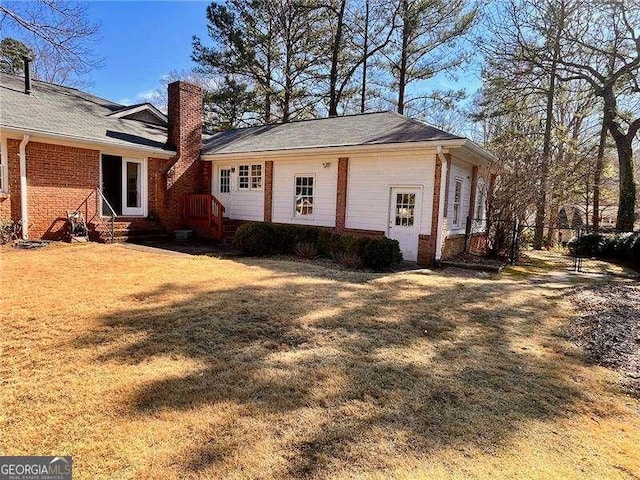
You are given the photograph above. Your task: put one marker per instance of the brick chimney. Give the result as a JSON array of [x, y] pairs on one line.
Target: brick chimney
[[185, 122], [187, 174]]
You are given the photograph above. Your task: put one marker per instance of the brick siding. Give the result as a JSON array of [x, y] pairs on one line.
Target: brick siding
[[187, 174], [341, 193], [268, 190], [156, 171], [59, 178], [472, 194], [427, 243], [454, 245]]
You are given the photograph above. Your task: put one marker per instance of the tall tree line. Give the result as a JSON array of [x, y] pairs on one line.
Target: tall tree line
[[572, 66], [310, 58]]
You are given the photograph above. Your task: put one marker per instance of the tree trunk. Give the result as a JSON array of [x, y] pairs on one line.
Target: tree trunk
[[335, 58], [627, 197], [288, 82], [552, 233], [624, 146], [267, 93], [365, 56], [546, 147], [597, 177], [402, 74]]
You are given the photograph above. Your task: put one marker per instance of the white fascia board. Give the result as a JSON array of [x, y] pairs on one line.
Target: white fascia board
[[83, 142], [479, 155], [337, 150]]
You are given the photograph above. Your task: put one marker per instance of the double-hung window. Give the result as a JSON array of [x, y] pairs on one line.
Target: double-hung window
[[256, 177], [457, 202], [304, 187], [243, 177], [250, 177]]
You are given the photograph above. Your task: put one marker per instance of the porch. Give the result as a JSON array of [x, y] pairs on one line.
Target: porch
[[204, 213]]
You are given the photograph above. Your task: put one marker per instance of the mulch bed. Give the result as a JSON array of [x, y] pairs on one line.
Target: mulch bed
[[477, 260], [30, 244], [607, 327]]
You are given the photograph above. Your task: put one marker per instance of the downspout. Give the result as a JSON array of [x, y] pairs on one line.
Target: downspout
[[443, 188], [24, 211]]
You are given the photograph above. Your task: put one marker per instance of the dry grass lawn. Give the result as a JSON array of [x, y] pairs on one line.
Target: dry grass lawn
[[148, 365]]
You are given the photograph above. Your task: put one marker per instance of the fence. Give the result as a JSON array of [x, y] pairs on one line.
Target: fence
[[506, 239]]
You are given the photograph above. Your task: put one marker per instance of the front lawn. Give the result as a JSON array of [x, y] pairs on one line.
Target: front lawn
[[149, 365]]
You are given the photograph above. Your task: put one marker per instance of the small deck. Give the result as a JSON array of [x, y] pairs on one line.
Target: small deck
[[204, 213]]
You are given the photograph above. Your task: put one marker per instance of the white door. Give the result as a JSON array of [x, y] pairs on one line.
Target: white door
[[224, 188], [133, 187], [404, 219]]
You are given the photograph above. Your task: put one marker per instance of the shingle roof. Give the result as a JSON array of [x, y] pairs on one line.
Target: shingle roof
[[66, 111], [351, 130]]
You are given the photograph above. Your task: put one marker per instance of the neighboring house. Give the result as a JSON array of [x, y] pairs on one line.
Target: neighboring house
[[372, 174]]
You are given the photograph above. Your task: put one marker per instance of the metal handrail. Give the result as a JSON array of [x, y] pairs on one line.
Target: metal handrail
[[112, 217]]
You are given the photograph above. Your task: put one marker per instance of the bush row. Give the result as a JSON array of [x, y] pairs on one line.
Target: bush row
[[621, 246], [263, 238]]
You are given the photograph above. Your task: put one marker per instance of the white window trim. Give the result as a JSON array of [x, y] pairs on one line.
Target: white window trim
[[248, 187], [261, 177], [249, 177], [457, 222], [4, 166], [144, 184], [295, 213], [219, 182]]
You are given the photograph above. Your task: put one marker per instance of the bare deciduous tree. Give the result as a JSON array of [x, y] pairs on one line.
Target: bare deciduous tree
[[60, 35]]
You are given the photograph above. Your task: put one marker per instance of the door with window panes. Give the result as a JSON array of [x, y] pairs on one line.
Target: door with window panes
[[404, 219], [224, 188]]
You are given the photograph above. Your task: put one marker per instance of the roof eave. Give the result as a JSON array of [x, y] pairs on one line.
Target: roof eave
[[478, 153], [482, 156], [76, 140]]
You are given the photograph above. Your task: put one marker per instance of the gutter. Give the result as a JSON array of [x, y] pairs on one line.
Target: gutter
[[443, 190], [88, 143], [24, 211]]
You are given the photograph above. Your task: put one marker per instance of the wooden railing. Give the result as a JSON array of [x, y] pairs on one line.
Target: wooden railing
[[203, 211]]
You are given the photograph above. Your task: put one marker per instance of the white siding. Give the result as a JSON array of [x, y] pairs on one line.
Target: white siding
[[459, 171], [371, 177], [240, 204], [324, 192]]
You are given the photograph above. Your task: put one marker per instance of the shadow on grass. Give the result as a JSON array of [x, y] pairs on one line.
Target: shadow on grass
[[418, 368]]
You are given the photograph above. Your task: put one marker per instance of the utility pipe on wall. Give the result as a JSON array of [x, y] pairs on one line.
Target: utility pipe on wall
[[24, 211]]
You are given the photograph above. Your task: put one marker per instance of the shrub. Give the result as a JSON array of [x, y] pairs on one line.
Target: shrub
[[255, 238], [305, 250], [308, 242], [587, 245], [349, 260], [381, 253], [10, 230], [621, 246]]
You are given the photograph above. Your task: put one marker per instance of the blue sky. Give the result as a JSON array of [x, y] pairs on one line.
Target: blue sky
[[142, 41]]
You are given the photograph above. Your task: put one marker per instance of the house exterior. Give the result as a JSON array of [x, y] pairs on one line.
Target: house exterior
[[372, 174]]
